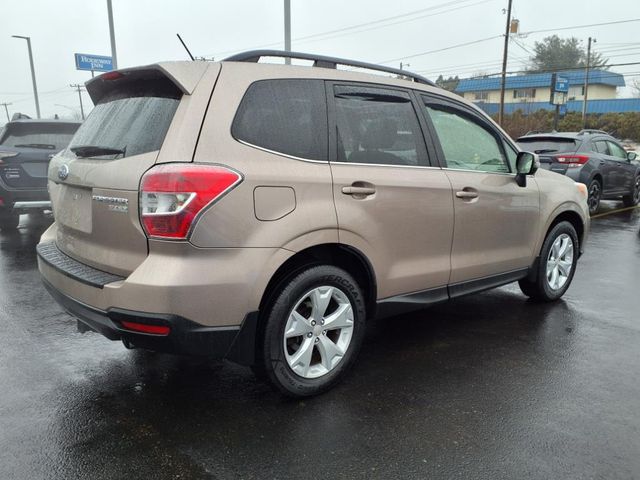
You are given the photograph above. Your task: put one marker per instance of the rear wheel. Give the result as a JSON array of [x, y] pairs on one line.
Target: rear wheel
[[9, 220], [557, 265], [595, 194], [633, 198], [313, 331]]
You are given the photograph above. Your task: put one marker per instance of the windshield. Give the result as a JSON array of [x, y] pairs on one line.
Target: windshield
[[122, 125], [548, 145], [39, 135]]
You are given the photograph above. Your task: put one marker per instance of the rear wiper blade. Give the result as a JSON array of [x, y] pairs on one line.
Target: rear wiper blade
[[48, 146], [546, 150], [96, 150]]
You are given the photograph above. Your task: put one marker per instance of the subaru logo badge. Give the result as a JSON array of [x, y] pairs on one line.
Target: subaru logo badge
[[63, 172]]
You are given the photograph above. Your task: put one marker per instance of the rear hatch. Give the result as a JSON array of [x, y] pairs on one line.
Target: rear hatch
[[94, 183], [549, 149], [27, 147]]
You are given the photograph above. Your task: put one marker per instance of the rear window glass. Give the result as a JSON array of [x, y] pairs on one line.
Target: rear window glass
[[286, 116], [38, 135], [552, 145], [133, 120]]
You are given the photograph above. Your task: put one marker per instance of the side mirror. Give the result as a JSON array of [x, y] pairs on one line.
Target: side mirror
[[527, 163], [632, 156]]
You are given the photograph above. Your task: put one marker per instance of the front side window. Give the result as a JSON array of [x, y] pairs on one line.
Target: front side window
[[377, 126], [617, 151], [286, 116], [465, 143]]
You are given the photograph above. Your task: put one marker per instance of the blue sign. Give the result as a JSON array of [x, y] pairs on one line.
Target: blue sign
[[562, 84], [96, 63]]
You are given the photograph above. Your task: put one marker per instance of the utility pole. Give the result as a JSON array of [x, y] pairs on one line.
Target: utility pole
[[586, 83], [33, 73], [402, 65], [114, 55], [504, 63], [6, 109], [79, 88], [287, 29]]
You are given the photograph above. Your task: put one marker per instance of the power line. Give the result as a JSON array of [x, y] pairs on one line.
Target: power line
[[442, 49], [580, 26], [341, 31]]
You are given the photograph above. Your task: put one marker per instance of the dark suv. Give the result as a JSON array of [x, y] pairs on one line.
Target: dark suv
[[592, 157], [26, 147]]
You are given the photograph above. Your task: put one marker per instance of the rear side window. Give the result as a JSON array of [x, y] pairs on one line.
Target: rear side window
[[377, 126], [133, 119], [548, 145], [601, 147], [47, 136], [286, 116]]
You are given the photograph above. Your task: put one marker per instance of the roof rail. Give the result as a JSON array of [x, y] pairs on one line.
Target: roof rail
[[592, 130], [325, 62]]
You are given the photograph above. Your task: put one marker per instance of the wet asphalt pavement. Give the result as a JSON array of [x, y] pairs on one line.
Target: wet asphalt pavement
[[485, 387]]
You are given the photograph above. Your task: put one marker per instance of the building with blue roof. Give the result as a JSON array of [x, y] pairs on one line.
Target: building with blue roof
[[535, 88]]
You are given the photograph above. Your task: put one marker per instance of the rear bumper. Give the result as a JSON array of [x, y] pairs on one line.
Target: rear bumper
[[185, 337], [10, 196]]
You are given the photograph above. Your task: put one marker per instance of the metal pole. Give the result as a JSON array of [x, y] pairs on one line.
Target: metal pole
[[79, 88], [504, 63], [555, 118], [586, 84], [6, 110], [33, 73], [287, 29], [114, 55]]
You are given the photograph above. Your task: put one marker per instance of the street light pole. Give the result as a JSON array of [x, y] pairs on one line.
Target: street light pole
[[504, 64], [33, 73], [287, 29], [112, 35], [586, 83]]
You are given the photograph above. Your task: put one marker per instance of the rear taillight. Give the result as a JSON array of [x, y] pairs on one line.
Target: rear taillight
[[572, 160], [172, 196]]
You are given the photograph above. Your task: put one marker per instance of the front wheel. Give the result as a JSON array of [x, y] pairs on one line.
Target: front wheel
[[313, 331], [633, 198], [557, 265]]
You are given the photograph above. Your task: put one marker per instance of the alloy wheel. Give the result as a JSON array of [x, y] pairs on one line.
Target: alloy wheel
[[560, 262], [318, 331], [594, 197]]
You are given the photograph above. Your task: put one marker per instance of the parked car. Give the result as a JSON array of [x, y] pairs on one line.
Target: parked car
[[592, 157], [264, 213], [26, 147]]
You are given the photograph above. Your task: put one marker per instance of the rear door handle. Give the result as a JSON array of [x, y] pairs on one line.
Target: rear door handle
[[358, 190], [465, 194]]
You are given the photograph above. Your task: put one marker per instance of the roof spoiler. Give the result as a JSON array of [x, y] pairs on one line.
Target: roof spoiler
[[185, 75]]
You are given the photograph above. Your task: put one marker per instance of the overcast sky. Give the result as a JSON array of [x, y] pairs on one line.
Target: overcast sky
[[393, 31]]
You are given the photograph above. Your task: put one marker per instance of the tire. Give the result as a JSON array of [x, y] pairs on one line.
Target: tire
[[315, 360], [595, 195], [633, 198], [553, 275], [9, 220]]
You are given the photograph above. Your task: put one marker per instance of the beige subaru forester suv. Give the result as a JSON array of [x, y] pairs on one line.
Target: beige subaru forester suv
[[264, 212]]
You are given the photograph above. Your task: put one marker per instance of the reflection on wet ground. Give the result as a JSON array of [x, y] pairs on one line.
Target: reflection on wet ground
[[489, 386]]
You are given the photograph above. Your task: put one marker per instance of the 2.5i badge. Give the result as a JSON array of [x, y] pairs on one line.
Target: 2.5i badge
[[115, 204]]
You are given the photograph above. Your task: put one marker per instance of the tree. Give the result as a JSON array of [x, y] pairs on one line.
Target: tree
[[450, 83], [555, 53]]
